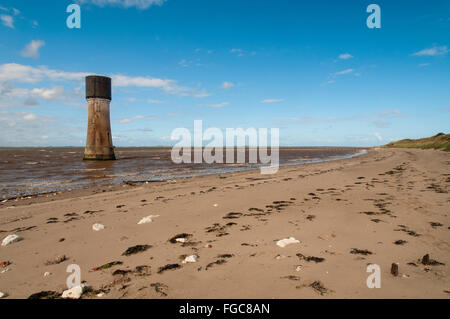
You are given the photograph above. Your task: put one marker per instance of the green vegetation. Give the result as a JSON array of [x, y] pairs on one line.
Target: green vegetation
[[439, 141]]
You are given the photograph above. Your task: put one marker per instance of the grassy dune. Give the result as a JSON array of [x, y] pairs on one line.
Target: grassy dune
[[439, 141]]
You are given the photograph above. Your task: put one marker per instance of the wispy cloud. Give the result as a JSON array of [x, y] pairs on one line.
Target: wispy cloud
[[152, 101], [380, 123], [54, 93], [167, 85], [11, 96], [271, 101], [227, 85], [332, 77], [378, 136], [347, 71], [32, 49], [30, 129], [139, 4], [136, 118], [242, 52], [30, 117], [383, 115], [433, 51], [13, 75], [217, 105], [345, 56], [185, 63], [172, 114], [7, 20], [27, 74]]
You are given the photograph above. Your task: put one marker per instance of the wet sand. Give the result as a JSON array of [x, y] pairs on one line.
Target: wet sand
[[389, 206]]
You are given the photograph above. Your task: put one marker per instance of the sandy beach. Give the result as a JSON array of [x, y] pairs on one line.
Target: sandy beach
[[389, 206]]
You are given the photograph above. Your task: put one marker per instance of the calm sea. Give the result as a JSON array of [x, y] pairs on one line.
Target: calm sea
[[28, 171]]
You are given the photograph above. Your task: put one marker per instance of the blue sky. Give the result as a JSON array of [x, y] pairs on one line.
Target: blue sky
[[311, 68]]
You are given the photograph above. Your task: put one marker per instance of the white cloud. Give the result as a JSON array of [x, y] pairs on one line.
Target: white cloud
[[32, 49], [237, 51], [130, 99], [27, 129], [138, 117], [139, 81], [433, 51], [345, 56], [241, 52], [15, 11], [200, 95], [227, 85], [11, 96], [347, 71], [30, 117], [272, 100], [181, 115], [421, 65], [167, 85], [13, 72], [27, 74], [140, 4], [54, 93], [378, 136], [218, 105], [151, 101], [184, 63], [383, 115], [7, 20]]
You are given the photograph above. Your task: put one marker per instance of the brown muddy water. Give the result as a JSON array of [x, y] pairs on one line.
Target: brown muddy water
[[29, 171]]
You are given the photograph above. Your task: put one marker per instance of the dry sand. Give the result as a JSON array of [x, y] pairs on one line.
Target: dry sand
[[365, 203]]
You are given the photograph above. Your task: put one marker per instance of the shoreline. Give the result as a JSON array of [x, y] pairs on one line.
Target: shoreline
[[388, 206], [114, 186]]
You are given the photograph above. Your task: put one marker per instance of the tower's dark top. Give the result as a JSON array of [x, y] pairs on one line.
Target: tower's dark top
[[98, 87]]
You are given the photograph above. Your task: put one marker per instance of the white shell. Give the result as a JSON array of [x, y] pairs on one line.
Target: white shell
[[147, 219], [98, 227], [11, 239], [287, 241]]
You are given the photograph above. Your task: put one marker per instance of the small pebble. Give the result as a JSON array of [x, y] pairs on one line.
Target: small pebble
[[98, 227], [190, 259]]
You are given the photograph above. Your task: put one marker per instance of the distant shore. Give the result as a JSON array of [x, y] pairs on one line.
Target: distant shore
[[388, 206]]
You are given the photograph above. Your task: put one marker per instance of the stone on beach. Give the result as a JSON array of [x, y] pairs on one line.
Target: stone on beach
[[3, 295], [394, 269], [190, 259], [287, 241], [11, 239], [74, 292], [98, 227], [147, 219]]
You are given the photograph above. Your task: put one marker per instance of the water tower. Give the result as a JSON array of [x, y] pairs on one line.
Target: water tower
[[99, 140]]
